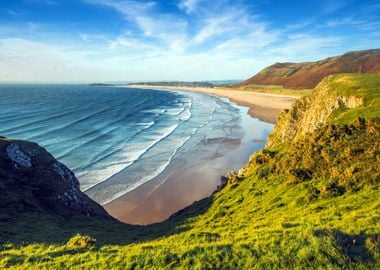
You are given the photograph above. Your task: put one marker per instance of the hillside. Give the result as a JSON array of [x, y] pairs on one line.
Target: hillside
[[307, 75], [310, 199]]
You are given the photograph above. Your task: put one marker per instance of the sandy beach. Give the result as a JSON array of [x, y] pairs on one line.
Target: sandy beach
[[158, 199], [264, 106]]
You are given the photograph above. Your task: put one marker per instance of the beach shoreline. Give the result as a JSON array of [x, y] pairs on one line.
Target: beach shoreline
[[264, 106], [158, 199]]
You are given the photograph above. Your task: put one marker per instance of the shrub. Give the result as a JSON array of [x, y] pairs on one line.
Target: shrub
[[332, 189], [373, 243], [300, 174], [81, 241]]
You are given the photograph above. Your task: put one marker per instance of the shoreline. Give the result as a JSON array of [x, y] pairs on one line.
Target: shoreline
[[159, 198], [263, 106]]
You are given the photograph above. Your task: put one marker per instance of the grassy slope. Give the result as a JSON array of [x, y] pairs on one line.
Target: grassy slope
[[313, 203], [367, 86]]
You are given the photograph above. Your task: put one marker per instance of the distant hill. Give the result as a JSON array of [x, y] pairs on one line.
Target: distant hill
[[176, 84], [100, 84], [309, 74]]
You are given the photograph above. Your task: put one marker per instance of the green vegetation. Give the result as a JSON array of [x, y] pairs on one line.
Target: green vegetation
[[366, 87], [81, 241], [308, 203]]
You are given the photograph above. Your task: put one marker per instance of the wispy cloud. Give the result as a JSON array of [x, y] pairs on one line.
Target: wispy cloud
[[360, 24], [178, 39], [331, 6], [344, 21], [189, 6], [14, 13], [167, 28], [45, 2], [304, 46]]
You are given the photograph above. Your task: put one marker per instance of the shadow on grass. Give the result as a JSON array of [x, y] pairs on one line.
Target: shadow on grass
[[47, 229], [353, 246]]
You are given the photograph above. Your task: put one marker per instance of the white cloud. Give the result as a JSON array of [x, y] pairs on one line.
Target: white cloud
[[217, 41], [25, 60], [166, 28], [130, 43], [189, 6], [331, 6], [366, 25], [216, 25], [300, 47], [344, 21]]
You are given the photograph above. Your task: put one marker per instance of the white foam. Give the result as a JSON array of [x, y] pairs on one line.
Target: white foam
[[124, 188], [107, 153], [174, 111], [133, 152], [185, 115]]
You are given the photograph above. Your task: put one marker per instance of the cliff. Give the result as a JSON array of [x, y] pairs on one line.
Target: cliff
[[307, 75], [33, 181], [337, 99]]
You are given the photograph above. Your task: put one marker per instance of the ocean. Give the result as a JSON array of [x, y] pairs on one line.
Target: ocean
[[100, 132]]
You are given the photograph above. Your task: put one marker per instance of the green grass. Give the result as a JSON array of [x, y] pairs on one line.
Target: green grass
[[253, 223], [365, 86], [313, 203]]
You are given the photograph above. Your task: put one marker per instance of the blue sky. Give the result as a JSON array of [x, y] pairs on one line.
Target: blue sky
[[130, 40]]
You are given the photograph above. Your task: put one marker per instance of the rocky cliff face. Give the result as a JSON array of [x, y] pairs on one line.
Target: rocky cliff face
[[312, 112], [309, 74], [32, 180]]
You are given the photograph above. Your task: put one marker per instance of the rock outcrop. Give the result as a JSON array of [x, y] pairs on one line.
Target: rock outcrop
[[32, 180], [309, 74], [312, 112]]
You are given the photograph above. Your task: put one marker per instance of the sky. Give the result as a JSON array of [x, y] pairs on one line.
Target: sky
[[185, 40]]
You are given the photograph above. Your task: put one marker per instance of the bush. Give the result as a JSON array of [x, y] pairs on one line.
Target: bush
[[81, 241], [333, 189]]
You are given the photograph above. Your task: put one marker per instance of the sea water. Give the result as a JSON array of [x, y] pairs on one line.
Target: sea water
[[99, 132]]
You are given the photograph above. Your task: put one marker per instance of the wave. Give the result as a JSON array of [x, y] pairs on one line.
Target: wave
[[119, 120], [185, 115], [139, 151], [101, 134], [85, 143], [67, 125], [124, 188], [110, 151], [174, 111], [51, 117], [13, 115]]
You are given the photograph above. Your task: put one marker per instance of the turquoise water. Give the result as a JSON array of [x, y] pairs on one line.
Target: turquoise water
[[100, 131]]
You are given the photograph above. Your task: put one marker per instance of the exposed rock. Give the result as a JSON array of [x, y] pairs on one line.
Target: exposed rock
[[312, 112], [350, 102], [31, 179], [66, 174], [17, 156]]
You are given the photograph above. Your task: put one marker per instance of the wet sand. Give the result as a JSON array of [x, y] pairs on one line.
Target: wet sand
[[197, 175]]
